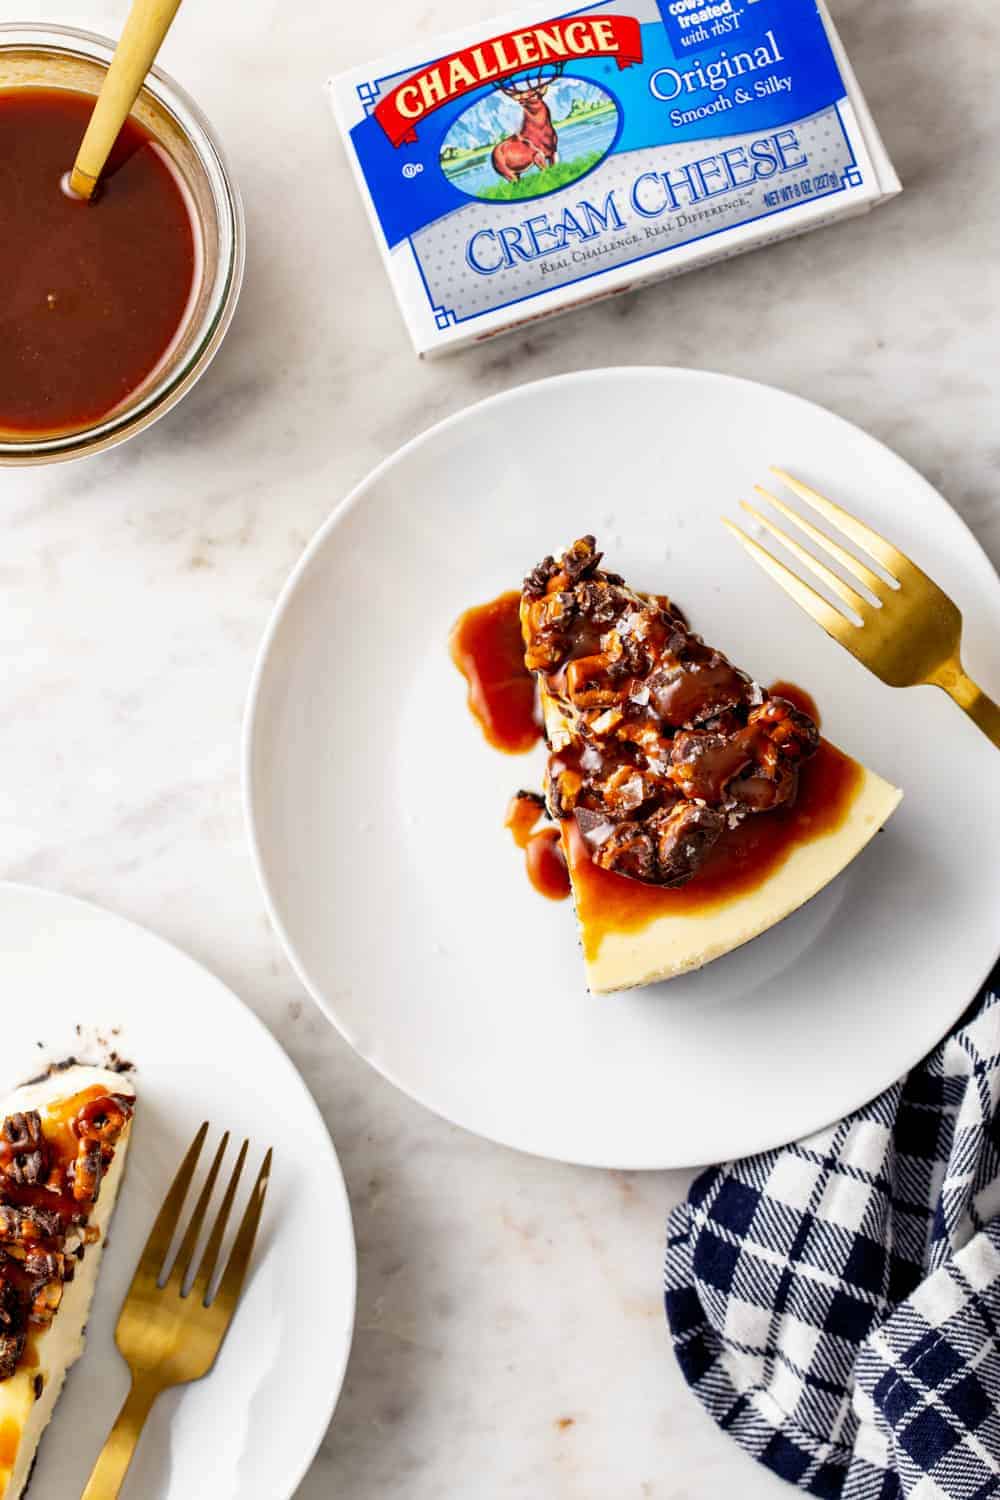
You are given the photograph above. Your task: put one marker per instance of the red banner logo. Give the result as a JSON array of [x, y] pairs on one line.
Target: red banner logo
[[555, 44]]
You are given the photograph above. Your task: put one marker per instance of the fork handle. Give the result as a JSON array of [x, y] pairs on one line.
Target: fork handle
[[109, 1472], [969, 696]]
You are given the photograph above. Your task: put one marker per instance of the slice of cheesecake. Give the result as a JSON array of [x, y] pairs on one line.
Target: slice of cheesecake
[[697, 808], [63, 1142]]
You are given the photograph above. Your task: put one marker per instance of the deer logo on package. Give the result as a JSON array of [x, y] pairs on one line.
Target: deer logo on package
[[535, 141]]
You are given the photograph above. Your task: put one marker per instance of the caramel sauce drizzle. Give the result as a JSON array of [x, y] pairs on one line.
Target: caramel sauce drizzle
[[741, 861], [544, 859], [487, 647], [10, 1441]]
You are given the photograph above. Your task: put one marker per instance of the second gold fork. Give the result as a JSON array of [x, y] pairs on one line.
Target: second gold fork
[[167, 1336]]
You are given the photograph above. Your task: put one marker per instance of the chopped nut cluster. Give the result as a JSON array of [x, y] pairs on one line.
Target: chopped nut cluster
[[667, 744], [50, 1178]]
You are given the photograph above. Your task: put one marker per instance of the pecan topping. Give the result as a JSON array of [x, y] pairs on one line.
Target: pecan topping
[[22, 1223], [23, 1157], [668, 744], [85, 1172], [11, 1349], [102, 1120], [45, 1303], [13, 1322], [23, 1131]]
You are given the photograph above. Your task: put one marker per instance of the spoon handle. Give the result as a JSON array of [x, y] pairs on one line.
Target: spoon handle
[[147, 24]]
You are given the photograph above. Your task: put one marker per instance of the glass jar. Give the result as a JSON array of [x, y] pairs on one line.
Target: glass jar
[[35, 56]]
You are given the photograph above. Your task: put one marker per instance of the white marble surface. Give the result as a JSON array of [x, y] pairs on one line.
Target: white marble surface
[[510, 1338]]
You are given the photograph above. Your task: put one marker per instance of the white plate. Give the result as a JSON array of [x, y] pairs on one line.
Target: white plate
[[250, 1430], [375, 806]]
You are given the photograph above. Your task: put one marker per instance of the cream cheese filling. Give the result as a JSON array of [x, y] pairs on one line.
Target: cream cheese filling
[[675, 944], [670, 945]]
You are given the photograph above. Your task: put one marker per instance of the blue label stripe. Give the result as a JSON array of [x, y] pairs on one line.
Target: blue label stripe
[[446, 316], [738, 80], [655, 99]]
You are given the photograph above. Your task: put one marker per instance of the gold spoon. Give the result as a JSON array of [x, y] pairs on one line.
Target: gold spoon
[[147, 24]]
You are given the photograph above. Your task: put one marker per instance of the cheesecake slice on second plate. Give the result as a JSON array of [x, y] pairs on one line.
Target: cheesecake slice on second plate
[[63, 1142]]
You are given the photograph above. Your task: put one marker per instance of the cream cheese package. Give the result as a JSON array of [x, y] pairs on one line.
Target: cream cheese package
[[521, 168]]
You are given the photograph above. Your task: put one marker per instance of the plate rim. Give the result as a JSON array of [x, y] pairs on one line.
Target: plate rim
[[46, 895], [354, 497]]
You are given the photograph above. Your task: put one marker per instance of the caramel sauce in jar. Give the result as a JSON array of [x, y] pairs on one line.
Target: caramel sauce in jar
[[94, 293]]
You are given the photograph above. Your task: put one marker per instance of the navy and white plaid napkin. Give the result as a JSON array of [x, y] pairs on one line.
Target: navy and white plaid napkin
[[835, 1305]]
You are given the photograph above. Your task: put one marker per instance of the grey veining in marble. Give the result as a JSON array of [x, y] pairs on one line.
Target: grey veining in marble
[[510, 1339]]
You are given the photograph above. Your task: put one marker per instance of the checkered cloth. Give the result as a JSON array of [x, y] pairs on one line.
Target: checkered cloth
[[835, 1305]]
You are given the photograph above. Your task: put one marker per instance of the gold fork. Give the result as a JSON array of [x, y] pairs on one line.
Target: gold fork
[[168, 1337], [907, 632]]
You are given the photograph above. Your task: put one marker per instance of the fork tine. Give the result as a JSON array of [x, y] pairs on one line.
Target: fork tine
[[826, 575], [239, 1259], [184, 1259], [876, 546], [847, 560], [832, 621], [156, 1247], [206, 1270]]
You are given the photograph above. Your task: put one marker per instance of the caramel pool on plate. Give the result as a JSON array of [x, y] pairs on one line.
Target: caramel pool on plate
[[487, 649]]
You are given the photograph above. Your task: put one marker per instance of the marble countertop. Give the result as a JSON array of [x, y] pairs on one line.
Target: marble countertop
[[510, 1337]]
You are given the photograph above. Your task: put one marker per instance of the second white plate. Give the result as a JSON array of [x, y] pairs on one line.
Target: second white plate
[[376, 808], [79, 980]]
